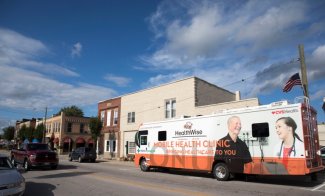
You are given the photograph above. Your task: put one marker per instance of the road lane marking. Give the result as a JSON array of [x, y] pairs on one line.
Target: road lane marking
[[195, 178], [318, 187], [122, 169], [148, 185]]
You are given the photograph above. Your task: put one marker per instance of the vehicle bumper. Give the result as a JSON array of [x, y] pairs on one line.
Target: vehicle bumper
[[17, 191], [88, 157], [44, 164]]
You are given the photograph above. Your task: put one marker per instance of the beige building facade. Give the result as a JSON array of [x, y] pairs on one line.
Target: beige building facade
[[187, 97], [68, 132], [24, 122]]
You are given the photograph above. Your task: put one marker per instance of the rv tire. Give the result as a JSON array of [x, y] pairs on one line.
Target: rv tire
[[144, 165], [221, 172]]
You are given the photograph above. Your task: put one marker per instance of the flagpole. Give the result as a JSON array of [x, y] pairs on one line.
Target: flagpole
[[303, 70]]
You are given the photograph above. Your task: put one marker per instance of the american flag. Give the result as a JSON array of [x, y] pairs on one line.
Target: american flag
[[294, 80]]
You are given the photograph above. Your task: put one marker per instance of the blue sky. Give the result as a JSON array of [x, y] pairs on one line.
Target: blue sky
[[61, 53]]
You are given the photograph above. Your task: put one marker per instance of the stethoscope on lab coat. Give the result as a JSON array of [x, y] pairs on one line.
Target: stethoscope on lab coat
[[293, 149]]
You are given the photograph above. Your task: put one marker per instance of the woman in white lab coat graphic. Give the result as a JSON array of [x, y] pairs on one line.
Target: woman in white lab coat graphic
[[291, 144]]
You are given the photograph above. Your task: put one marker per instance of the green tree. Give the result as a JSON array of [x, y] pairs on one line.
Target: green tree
[[39, 132], [9, 133], [25, 133], [71, 111], [95, 126], [22, 132]]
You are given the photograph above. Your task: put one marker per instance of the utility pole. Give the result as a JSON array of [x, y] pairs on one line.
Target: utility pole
[[303, 70], [44, 132]]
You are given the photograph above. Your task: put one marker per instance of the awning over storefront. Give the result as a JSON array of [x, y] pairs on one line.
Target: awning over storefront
[[90, 141], [56, 140], [80, 140], [67, 140]]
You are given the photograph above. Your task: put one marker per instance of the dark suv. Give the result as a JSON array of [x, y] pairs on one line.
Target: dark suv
[[83, 153]]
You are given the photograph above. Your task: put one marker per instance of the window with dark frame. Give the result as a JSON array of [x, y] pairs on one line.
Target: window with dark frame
[[143, 140], [170, 108], [131, 117], [115, 117], [102, 116], [107, 146], [260, 129], [82, 127], [69, 128], [162, 135]]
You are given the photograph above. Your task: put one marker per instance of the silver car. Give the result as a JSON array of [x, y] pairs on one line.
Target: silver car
[[11, 181]]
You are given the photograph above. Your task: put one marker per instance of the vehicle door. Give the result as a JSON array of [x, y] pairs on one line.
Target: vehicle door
[[21, 153], [143, 137], [74, 154]]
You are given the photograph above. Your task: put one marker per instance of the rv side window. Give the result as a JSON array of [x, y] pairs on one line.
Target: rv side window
[[138, 137], [260, 130], [143, 140], [162, 136]]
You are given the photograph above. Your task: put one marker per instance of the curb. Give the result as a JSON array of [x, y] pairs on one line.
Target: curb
[[103, 160]]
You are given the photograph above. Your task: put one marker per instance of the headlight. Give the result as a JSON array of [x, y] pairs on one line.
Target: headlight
[[33, 156]]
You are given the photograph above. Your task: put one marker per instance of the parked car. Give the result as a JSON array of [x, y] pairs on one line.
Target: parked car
[[83, 153], [35, 155], [11, 180], [322, 151]]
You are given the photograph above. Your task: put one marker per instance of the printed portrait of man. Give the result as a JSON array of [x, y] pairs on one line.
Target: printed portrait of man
[[233, 151]]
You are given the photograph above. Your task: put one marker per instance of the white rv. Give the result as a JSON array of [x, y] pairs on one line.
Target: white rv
[[275, 139]]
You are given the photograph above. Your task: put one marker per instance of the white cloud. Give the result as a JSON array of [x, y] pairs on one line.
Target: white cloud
[[320, 94], [17, 50], [76, 50], [316, 63], [118, 80], [208, 31], [28, 89], [224, 42], [162, 79], [272, 25], [16, 44], [28, 83]]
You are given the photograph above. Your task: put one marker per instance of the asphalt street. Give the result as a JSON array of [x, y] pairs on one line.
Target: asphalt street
[[108, 177]]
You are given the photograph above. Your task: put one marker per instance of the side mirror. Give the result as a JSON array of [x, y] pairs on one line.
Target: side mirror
[[137, 139]]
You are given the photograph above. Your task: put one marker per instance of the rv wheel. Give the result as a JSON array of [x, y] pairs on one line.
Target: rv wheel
[[143, 165], [221, 172]]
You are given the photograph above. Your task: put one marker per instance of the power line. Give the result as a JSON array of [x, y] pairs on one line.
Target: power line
[[265, 71]]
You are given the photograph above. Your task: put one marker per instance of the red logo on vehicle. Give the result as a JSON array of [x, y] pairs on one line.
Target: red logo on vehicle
[[188, 125], [285, 111], [278, 112]]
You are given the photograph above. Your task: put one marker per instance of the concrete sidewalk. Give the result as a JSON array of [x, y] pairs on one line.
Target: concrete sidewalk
[[101, 159]]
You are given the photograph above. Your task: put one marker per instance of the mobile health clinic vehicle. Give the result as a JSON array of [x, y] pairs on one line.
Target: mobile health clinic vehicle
[[275, 139]]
